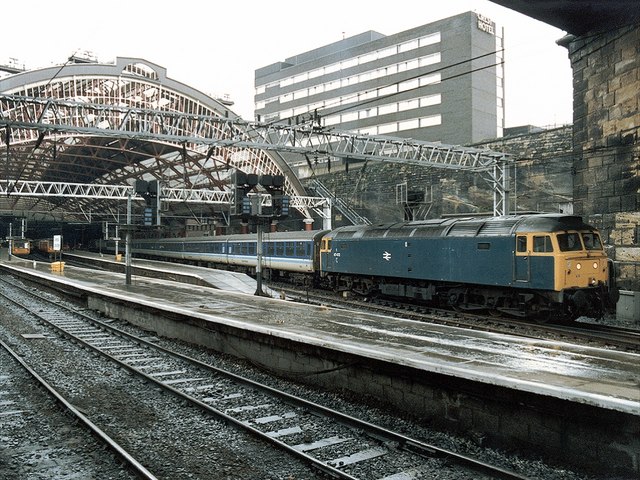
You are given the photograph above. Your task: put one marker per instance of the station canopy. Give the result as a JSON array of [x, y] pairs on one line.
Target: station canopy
[[85, 157]]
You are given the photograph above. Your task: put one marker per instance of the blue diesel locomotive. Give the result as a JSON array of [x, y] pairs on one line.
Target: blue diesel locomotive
[[524, 265]]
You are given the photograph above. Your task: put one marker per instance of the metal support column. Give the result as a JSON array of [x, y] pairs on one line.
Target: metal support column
[[259, 291], [10, 239], [127, 245]]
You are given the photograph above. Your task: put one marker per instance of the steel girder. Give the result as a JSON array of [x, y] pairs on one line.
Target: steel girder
[[50, 156], [30, 117]]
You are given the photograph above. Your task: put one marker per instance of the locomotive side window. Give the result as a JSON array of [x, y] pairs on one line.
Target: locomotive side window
[[569, 242], [591, 241], [521, 243], [542, 244], [484, 246]]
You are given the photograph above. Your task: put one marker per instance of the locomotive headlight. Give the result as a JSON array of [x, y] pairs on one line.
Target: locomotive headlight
[[595, 265], [578, 266]]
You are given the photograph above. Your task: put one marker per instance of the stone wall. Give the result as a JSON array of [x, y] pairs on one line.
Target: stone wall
[[606, 81], [544, 179]]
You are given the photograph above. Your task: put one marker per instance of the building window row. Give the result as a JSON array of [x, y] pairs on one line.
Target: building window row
[[430, 39], [410, 124], [353, 79], [356, 97], [383, 110]]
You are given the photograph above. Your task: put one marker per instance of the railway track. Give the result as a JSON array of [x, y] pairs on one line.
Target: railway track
[[69, 449], [333, 443], [589, 333]]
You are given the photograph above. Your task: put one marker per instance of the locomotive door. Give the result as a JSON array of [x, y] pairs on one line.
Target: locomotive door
[[522, 265]]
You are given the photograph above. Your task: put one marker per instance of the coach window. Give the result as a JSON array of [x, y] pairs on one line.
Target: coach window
[[289, 249], [267, 249], [279, 249], [542, 244], [521, 244]]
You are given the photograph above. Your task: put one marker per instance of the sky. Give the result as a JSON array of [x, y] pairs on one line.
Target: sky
[[216, 47]]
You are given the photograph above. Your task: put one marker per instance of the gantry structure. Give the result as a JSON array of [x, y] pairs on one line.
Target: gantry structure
[[76, 137]]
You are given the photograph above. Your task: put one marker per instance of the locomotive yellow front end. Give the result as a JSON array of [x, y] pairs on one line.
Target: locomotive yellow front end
[[582, 272]]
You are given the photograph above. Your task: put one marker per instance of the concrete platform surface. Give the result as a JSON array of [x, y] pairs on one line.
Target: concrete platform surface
[[593, 376], [220, 279]]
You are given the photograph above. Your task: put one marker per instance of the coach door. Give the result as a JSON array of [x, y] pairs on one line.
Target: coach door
[[522, 265]]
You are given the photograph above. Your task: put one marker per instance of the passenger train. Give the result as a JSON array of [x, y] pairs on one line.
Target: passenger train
[[543, 265], [20, 246]]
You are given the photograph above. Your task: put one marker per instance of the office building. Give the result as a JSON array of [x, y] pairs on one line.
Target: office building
[[440, 82]]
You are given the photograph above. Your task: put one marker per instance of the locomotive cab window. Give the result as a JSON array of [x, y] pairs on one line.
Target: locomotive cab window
[[542, 244], [591, 241], [569, 242]]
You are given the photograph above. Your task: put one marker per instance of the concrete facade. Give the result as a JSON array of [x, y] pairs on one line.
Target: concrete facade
[[437, 82], [606, 147]]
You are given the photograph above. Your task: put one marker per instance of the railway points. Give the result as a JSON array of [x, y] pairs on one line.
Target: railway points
[[547, 395]]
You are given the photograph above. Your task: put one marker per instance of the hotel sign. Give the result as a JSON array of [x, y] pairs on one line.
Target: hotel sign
[[485, 24]]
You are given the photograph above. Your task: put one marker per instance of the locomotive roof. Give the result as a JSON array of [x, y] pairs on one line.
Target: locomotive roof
[[467, 227]]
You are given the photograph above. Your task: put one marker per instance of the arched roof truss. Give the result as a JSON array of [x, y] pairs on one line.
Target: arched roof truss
[[57, 155]]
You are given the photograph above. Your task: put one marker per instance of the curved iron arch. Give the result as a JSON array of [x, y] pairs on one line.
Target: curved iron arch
[[132, 83]]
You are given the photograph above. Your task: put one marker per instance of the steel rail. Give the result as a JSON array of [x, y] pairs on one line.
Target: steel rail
[[374, 431], [102, 436]]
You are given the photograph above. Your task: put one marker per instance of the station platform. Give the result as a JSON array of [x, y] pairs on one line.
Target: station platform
[[219, 279], [603, 378], [572, 376]]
